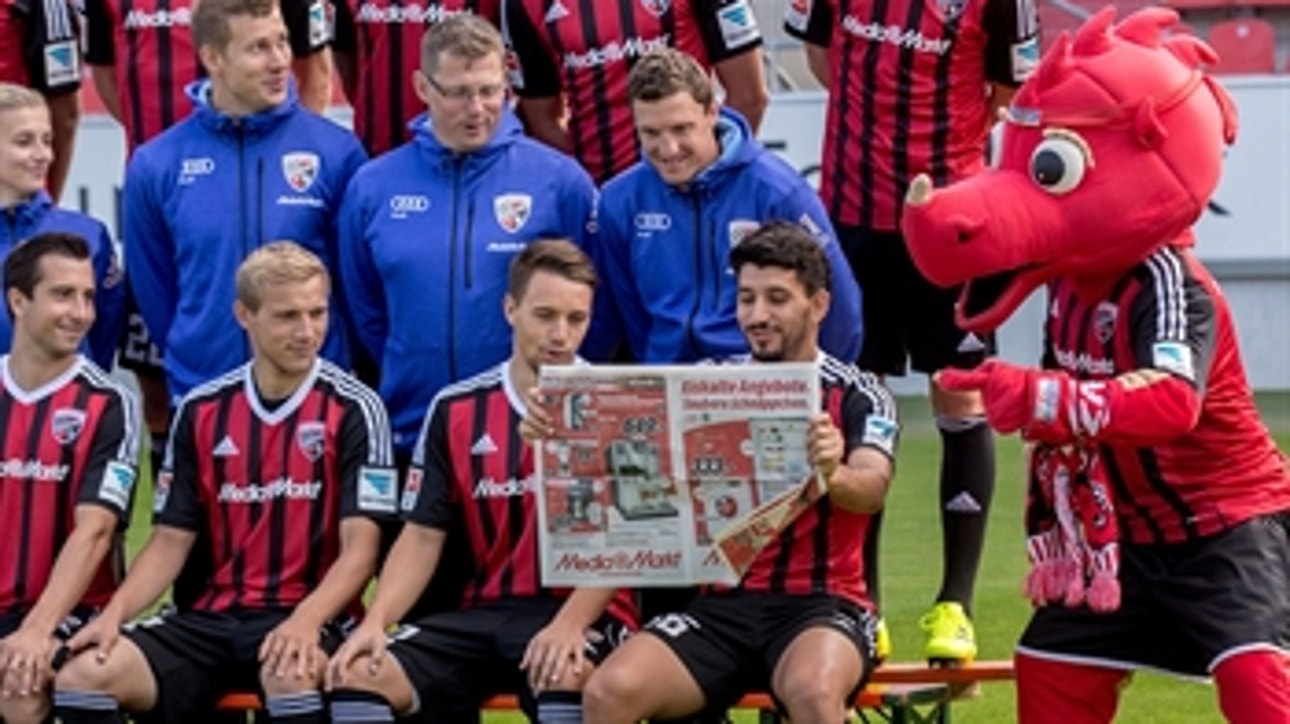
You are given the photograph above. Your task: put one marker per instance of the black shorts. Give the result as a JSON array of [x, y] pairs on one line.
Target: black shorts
[[1183, 607], [908, 321], [137, 352], [198, 656], [731, 642], [456, 659], [71, 623]]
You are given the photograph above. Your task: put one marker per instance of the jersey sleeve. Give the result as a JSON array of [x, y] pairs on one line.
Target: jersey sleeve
[[428, 497], [177, 499], [1172, 322], [110, 471], [728, 27], [1012, 40], [869, 415], [810, 21], [530, 67], [308, 28], [344, 34], [369, 481], [51, 45], [99, 47]]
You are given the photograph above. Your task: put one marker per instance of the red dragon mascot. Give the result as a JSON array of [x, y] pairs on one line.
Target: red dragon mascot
[[1158, 504]]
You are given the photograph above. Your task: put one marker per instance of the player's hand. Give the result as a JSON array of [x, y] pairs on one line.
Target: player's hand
[[291, 649], [825, 445], [554, 657], [536, 424], [1007, 391], [24, 662], [101, 634], [368, 640]]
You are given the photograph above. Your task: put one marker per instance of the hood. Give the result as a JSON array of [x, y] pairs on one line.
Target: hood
[[199, 92], [738, 149], [508, 131]]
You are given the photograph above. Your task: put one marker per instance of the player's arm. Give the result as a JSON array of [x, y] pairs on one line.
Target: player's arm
[[65, 118], [344, 48], [868, 446], [1012, 48], [100, 56], [728, 29], [743, 77], [310, 37], [554, 656], [52, 56], [814, 27], [534, 78]]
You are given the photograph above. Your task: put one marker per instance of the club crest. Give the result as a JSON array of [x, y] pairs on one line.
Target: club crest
[[740, 229], [656, 7], [66, 424], [311, 438], [1104, 321], [300, 169], [512, 211]]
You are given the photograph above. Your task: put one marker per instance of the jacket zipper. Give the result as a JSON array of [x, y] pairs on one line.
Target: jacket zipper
[[452, 273], [698, 273], [244, 217]]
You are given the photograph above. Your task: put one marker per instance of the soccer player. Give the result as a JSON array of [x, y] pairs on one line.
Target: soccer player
[[26, 157], [40, 49], [248, 166], [284, 465], [71, 438], [433, 226], [919, 100], [378, 52], [799, 623], [668, 223], [570, 61], [471, 463]]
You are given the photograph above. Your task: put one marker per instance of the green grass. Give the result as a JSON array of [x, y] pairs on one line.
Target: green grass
[[910, 572]]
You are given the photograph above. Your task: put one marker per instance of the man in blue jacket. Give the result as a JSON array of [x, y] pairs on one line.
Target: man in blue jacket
[[668, 223], [428, 230], [249, 166]]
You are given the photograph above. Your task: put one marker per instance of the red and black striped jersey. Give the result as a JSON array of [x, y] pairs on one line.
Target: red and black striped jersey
[[471, 462], [909, 92], [72, 442], [266, 486], [40, 45], [585, 49], [149, 46], [384, 36], [822, 551], [1168, 314]]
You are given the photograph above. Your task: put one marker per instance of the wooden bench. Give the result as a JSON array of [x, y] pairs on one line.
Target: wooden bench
[[899, 693]]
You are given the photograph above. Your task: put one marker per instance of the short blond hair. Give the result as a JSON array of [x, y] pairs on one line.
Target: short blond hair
[[466, 36], [279, 262], [13, 97]]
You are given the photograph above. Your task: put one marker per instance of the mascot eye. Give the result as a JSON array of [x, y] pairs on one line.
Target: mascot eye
[[1058, 164]]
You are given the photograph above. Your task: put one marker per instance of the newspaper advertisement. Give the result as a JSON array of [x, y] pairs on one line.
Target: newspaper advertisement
[[671, 475]]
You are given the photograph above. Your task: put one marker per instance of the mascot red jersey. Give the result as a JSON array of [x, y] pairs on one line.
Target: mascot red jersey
[[1158, 505]]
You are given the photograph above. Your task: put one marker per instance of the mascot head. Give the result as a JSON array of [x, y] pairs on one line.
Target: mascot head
[[1110, 150]]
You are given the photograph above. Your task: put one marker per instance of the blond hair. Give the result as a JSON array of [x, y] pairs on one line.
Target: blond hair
[[13, 97], [279, 262]]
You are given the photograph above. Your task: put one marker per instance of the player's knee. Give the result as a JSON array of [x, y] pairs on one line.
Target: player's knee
[[85, 672], [386, 681], [1254, 686], [811, 698], [608, 690], [24, 709], [289, 683]]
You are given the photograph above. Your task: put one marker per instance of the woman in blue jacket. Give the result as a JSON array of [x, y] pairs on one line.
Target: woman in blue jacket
[[26, 154]]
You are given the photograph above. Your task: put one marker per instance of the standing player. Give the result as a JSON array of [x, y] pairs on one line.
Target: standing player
[[40, 49], [248, 166], [285, 465], [900, 103], [799, 623], [70, 439], [377, 49], [26, 157], [570, 60], [471, 464]]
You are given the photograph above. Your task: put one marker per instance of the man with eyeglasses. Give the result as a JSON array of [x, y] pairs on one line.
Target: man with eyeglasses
[[428, 231]]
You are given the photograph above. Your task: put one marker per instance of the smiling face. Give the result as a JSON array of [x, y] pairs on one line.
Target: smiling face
[[26, 151], [286, 330], [678, 135], [55, 318], [779, 318], [250, 74]]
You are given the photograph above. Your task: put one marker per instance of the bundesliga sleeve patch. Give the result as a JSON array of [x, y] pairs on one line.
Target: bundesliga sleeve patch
[[377, 492], [738, 25], [798, 15], [118, 481], [880, 432], [320, 31], [62, 64], [1025, 56], [412, 491], [1173, 357], [162, 493]]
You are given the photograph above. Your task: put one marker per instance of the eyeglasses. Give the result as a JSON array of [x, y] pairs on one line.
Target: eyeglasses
[[465, 94]]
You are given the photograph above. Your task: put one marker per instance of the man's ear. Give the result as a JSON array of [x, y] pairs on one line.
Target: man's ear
[[242, 313], [820, 302], [509, 305]]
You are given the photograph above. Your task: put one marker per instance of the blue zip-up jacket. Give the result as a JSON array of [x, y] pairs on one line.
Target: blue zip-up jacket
[[426, 240], [664, 251], [206, 193], [38, 215]]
